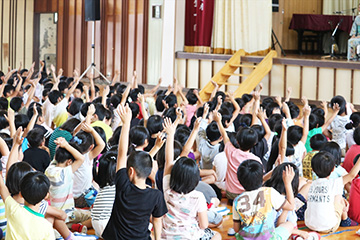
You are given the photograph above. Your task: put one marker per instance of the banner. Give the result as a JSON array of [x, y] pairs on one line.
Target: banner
[[198, 25]]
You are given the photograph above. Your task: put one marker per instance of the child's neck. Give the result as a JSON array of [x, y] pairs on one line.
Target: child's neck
[[140, 183], [19, 199], [35, 208], [62, 165]]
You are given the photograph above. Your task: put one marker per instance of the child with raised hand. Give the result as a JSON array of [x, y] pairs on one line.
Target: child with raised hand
[[253, 210], [187, 217], [325, 199], [134, 203]]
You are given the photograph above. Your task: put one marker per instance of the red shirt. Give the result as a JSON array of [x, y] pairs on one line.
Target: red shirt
[[354, 203], [349, 157]]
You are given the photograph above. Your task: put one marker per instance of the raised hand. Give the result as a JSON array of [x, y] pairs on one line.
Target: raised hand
[[19, 136], [288, 175], [61, 142], [197, 123], [87, 128], [336, 107], [169, 127], [91, 110], [307, 110], [206, 110], [160, 140], [125, 113], [217, 116]]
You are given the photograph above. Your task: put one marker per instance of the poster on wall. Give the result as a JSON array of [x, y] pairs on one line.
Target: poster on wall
[[198, 25]]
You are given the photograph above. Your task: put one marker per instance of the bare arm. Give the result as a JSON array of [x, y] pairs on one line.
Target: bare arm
[[216, 88], [160, 140], [190, 142], [79, 158], [92, 86], [283, 141], [4, 191], [217, 119], [11, 120], [288, 94], [352, 174], [196, 92], [236, 109], [134, 83], [125, 95], [169, 147], [288, 176], [32, 122], [261, 116], [157, 222], [17, 89], [14, 153], [143, 108], [125, 115], [307, 111], [100, 144], [203, 220], [105, 92], [116, 76], [336, 109]]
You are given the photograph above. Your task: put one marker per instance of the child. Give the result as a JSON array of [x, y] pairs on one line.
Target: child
[[316, 142], [354, 123], [134, 202], [253, 210], [187, 217], [104, 175], [353, 151], [354, 208], [325, 195], [26, 222], [247, 138], [36, 156]]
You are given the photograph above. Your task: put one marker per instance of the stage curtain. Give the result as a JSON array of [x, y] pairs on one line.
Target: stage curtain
[[332, 6], [244, 24], [198, 25]]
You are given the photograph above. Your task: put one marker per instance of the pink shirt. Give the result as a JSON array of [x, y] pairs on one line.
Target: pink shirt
[[354, 203], [190, 111], [235, 157], [349, 157]]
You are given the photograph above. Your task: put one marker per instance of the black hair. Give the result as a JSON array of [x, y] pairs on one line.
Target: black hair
[[182, 135], [141, 162], [141, 89], [274, 153], [277, 182], [114, 140], [135, 110], [185, 176], [104, 173], [213, 132], [100, 111], [34, 187], [245, 120], [334, 149], [171, 100], [246, 97], [102, 134], [30, 111], [15, 103], [240, 102], [313, 121], [21, 120], [250, 174], [35, 137], [62, 155], [134, 94], [84, 108], [137, 136], [54, 96], [69, 80], [225, 116], [75, 106], [45, 93], [155, 124], [318, 111], [3, 121], [115, 100], [170, 113], [160, 157], [13, 177], [214, 101], [86, 140], [4, 103], [320, 120], [356, 135], [247, 138], [273, 119], [294, 134], [191, 97], [341, 101], [8, 140], [97, 100], [270, 108], [317, 141], [80, 87], [70, 125], [62, 86], [159, 104], [259, 130], [294, 110], [356, 159], [266, 101], [7, 89], [354, 121], [323, 164]]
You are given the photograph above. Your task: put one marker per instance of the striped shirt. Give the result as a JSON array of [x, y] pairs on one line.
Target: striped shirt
[[103, 203]]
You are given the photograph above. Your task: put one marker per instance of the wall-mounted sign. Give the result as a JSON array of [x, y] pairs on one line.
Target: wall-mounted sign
[[156, 11]]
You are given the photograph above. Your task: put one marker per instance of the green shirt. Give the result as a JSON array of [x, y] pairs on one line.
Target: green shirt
[[311, 133]]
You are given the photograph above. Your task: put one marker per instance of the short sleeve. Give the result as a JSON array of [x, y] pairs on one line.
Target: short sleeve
[[236, 215], [166, 182], [202, 203], [277, 200], [160, 206], [229, 148], [11, 206], [121, 179]]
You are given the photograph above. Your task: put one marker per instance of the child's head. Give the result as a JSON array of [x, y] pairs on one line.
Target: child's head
[[99, 112], [185, 175], [342, 103], [8, 90], [356, 135], [182, 135], [226, 116], [79, 90], [171, 100], [21, 120], [317, 141], [213, 132], [139, 136], [34, 187], [259, 130], [247, 138], [104, 173], [294, 110], [155, 124], [30, 112], [273, 119], [55, 96], [245, 120], [64, 156], [274, 153], [354, 121], [191, 97], [272, 108], [16, 103], [139, 165], [4, 103], [160, 157], [35, 137], [3, 121], [334, 149], [323, 163], [84, 141], [70, 125], [313, 121], [294, 134], [75, 106], [250, 175], [159, 103], [135, 110], [277, 182], [13, 177], [63, 87], [114, 140]]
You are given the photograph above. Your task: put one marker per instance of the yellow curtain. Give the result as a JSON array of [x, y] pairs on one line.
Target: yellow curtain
[[332, 6], [242, 24]]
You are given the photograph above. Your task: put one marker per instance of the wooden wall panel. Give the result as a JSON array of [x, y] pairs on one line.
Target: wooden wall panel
[[289, 39]]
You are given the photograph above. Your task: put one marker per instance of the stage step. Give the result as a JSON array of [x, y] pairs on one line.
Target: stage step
[[235, 74], [242, 65]]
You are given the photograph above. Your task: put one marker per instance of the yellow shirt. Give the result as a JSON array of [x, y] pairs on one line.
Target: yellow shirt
[[107, 129], [24, 223]]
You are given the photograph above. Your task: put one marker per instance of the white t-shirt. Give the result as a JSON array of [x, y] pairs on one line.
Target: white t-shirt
[[220, 164], [338, 130], [299, 154], [320, 213], [83, 177], [48, 108], [350, 138], [181, 220]]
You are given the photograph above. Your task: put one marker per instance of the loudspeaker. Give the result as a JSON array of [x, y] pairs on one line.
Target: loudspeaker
[[92, 10]]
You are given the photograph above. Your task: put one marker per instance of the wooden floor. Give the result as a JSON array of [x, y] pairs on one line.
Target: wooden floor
[[343, 233]]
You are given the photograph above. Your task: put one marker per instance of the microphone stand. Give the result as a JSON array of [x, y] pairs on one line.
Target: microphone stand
[[333, 42]]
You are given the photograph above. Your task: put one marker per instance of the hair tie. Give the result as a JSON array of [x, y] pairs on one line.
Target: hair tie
[[77, 140], [133, 144], [275, 133], [113, 158]]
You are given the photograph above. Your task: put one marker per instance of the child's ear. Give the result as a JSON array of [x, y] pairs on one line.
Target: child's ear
[[68, 162], [91, 147]]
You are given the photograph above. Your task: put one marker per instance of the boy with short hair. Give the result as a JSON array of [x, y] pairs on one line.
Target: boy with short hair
[[253, 210], [316, 142], [25, 222], [325, 199], [134, 202]]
